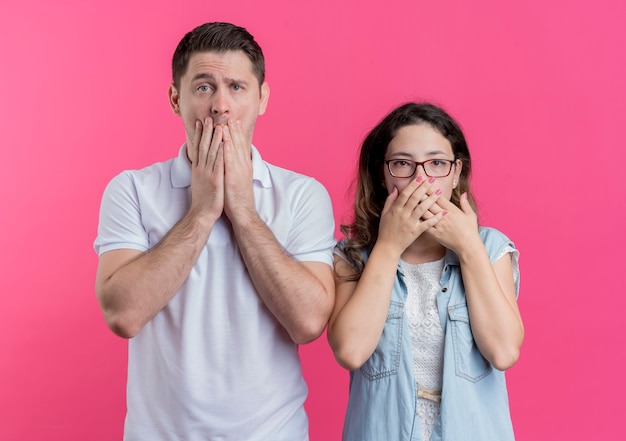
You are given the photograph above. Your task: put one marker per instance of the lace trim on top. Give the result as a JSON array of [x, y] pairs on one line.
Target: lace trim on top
[[427, 337]]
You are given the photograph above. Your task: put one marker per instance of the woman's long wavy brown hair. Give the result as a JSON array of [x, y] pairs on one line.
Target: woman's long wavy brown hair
[[371, 194]]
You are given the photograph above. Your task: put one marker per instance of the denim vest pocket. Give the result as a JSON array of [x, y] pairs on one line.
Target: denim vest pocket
[[469, 362], [385, 360]]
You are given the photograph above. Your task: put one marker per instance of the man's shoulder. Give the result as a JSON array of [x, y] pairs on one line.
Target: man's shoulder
[[276, 170], [285, 176], [153, 171], [154, 168]]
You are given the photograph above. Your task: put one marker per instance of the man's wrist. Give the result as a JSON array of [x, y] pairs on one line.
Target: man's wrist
[[245, 218]]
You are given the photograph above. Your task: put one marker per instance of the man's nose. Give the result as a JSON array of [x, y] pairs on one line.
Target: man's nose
[[220, 104]]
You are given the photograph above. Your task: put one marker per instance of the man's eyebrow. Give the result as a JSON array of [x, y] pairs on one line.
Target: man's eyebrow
[[202, 76], [209, 76], [235, 81]]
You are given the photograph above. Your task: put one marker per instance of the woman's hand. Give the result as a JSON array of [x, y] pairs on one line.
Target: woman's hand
[[403, 219], [489, 287], [458, 229]]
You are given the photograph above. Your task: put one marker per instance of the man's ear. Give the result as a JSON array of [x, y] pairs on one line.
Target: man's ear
[[265, 96], [174, 99]]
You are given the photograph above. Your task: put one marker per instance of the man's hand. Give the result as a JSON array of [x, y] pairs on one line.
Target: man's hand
[[238, 196], [132, 286], [206, 153]]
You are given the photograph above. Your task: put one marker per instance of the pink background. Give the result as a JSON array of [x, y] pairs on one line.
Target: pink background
[[538, 87]]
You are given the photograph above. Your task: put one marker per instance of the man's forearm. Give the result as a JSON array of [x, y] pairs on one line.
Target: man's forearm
[[299, 296], [133, 288]]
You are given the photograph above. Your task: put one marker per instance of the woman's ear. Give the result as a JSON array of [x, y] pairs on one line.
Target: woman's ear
[[458, 168]]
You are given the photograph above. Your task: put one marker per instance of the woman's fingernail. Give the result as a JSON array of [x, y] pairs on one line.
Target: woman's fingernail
[[419, 179], [431, 180], [444, 212], [464, 196], [438, 192]]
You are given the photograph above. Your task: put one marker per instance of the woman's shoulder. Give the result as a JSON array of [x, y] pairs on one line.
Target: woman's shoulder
[[345, 243], [491, 232], [494, 239]]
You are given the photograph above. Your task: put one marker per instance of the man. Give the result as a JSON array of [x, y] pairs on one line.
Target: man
[[215, 264]]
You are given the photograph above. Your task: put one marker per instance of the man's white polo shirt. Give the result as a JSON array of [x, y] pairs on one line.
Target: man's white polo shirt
[[215, 364]]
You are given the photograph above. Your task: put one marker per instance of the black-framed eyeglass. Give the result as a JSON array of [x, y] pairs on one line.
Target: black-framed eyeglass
[[405, 168]]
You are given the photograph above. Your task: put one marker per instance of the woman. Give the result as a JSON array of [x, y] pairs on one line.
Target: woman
[[426, 317]]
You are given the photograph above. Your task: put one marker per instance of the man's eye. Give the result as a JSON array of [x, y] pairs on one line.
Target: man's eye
[[203, 88], [237, 87]]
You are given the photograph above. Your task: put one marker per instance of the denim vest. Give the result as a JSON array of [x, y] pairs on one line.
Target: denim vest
[[474, 400]]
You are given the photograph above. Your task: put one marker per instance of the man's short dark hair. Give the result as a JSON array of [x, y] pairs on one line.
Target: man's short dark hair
[[217, 37]]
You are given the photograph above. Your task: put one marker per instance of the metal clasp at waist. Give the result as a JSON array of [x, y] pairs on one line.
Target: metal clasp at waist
[[429, 394]]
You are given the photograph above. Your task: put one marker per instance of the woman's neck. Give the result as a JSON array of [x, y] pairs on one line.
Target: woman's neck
[[424, 249]]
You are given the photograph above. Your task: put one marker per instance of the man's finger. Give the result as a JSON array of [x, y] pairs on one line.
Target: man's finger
[[193, 139], [237, 135], [205, 141]]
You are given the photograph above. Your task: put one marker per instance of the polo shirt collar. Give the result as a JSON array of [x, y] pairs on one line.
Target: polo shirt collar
[[181, 169]]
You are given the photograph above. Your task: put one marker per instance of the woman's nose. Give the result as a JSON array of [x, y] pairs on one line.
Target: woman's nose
[[420, 172]]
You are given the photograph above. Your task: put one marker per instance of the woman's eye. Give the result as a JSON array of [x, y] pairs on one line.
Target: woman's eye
[[439, 163], [401, 163]]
